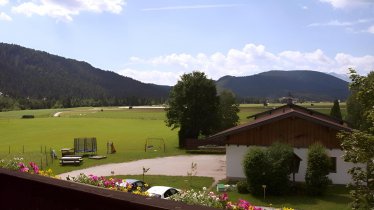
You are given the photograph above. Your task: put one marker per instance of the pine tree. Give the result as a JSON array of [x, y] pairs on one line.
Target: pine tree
[[335, 110]]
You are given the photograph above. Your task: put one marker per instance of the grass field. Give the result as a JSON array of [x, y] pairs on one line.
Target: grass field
[[336, 197], [180, 182], [127, 128]]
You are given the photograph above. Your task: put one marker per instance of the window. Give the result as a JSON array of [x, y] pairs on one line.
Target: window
[[333, 165]]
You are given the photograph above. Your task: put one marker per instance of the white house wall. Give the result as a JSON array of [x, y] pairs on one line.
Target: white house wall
[[235, 155]]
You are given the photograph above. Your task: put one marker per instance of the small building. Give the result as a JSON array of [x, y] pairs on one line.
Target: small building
[[290, 124]]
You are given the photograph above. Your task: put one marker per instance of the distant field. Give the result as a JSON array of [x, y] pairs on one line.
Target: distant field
[[127, 128]]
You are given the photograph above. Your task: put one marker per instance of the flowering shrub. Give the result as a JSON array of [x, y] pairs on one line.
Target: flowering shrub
[[210, 199], [191, 197], [34, 167], [35, 170], [11, 164], [203, 198], [242, 205], [111, 183], [23, 167], [48, 173]]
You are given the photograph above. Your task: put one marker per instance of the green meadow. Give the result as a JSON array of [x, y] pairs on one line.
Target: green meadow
[[127, 128], [32, 139]]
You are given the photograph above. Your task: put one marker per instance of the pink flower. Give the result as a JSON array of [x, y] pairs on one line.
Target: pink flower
[[94, 178], [243, 204], [23, 167], [34, 167], [224, 197], [106, 183]]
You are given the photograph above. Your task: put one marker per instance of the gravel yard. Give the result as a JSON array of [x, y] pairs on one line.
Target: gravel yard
[[207, 165]]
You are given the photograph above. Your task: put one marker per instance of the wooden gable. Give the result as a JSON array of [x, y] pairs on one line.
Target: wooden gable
[[297, 132], [291, 124]]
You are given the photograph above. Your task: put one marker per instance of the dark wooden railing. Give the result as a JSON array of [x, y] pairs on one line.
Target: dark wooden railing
[[192, 144], [28, 191]]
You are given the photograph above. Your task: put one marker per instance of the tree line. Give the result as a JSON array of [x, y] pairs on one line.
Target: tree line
[[35, 79], [8, 103]]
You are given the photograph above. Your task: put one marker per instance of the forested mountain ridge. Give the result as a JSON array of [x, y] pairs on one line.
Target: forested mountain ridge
[[306, 85], [28, 73]]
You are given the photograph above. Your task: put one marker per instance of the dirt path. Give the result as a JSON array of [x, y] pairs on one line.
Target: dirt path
[[207, 165], [57, 114]]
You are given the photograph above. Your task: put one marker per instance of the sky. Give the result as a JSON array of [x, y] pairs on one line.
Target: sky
[[156, 41]]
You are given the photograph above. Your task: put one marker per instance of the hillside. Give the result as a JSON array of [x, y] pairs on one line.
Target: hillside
[[307, 85], [38, 75]]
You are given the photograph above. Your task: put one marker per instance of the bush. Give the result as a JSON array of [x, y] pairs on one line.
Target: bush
[[270, 167], [280, 157], [27, 116], [242, 187], [318, 168], [256, 168]]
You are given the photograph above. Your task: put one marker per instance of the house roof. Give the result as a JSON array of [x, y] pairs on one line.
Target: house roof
[[323, 120], [300, 108]]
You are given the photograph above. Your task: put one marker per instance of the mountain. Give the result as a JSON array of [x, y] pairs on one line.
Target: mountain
[[307, 85], [35, 74], [344, 77]]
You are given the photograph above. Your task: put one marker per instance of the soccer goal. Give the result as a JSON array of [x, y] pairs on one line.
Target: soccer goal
[[154, 145]]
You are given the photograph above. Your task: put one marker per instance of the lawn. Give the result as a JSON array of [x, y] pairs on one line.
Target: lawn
[[336, 197], [180, 182], [127, 128]]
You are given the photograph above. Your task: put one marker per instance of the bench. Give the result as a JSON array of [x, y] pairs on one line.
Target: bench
[[221, 188], [71, 160]]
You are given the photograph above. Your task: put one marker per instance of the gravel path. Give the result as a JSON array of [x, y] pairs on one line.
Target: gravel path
[[207, 165], [57, 114]]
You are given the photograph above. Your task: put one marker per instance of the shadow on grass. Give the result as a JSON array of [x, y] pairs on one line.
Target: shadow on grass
[[336, 197]]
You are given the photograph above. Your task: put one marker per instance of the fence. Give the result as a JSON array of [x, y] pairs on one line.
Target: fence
[[192, 144], [42, 155]]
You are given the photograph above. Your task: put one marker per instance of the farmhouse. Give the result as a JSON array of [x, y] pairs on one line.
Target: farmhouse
[[291, 124]]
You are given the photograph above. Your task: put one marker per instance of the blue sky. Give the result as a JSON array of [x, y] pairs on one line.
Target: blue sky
[[155, 41]]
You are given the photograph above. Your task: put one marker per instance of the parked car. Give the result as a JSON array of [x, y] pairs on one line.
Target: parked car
[[162, 191], [134, 184]]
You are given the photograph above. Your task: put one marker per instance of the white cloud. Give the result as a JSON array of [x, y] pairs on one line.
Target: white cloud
[[304, 7], [185, 7], [5, 17], [341, 23], [371, 29], [65, 10], [347, 4], [4, 2], [249, 60], [152, 76]]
